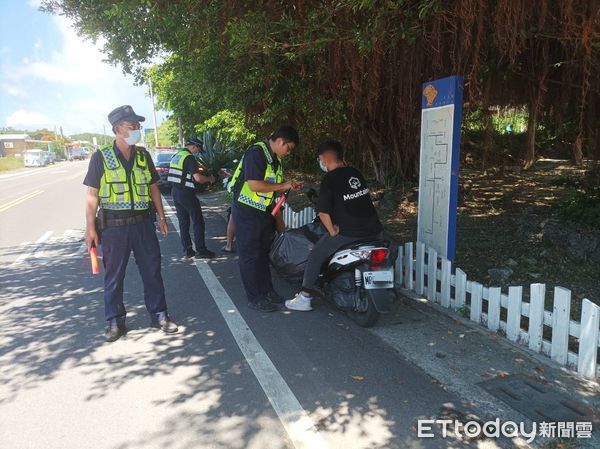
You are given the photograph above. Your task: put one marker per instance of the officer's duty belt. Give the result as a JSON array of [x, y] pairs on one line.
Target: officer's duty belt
[[127, 221]]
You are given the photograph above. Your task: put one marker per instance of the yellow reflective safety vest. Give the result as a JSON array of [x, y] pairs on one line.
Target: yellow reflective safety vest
[[246, 196], [176, 169], [119, 190]]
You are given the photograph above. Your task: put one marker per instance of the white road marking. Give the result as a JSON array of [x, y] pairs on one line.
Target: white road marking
[[31, 171], [297, 423], [35, 247], [69, 237]]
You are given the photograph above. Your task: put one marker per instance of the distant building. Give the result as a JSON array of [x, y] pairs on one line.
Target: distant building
[[17, 144]]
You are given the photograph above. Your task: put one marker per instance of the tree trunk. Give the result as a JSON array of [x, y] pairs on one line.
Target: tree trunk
[[530, 144], [180, 131], [578, 150], [592, 123], [487, 125], [487, 137]]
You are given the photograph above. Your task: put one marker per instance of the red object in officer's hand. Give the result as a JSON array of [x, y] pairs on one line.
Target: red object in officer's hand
[[280, 202], [94, 259]]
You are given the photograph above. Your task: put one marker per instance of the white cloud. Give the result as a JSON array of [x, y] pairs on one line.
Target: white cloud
[[78, 61], [83, 89], [15, 91], [38, 44], [27, 120]]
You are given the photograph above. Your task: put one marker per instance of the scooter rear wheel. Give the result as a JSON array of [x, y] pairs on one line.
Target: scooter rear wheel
[[367, 318]]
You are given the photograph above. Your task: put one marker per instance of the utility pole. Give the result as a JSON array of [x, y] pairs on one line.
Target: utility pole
[[153, 114], [180, 131]]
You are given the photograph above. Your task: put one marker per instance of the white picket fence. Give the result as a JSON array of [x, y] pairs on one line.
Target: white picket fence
[[294, 220], [495, 310], [433, 277]]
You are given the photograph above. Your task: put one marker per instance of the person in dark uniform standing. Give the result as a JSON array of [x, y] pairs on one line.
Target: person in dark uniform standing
[[256, 180], [183, 171], [121, 194]]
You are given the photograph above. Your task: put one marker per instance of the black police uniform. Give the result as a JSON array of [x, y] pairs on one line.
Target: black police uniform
[[188, 207], [254, 231], [127, 231]]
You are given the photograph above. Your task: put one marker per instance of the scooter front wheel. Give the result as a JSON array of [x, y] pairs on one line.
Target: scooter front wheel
[[367, 318]]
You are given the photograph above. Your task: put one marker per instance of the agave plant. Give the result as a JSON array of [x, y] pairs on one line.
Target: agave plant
[[216, 154]]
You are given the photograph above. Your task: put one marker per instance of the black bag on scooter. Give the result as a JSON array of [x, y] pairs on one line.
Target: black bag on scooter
[[343, 290], [290, 250]]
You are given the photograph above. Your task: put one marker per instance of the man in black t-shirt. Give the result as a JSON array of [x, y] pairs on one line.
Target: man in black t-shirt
[[345, 209]]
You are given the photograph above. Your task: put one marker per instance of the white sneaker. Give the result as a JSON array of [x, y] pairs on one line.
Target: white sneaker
[[300, 303]]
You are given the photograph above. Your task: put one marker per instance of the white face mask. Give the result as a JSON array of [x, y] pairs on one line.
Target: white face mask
[[323, 166], [135, 135]]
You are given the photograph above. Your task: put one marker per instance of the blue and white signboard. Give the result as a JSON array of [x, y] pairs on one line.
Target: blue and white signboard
[[441, 117]]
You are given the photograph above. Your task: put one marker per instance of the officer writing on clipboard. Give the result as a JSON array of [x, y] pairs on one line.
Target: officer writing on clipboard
[[254, 184], [122, 189]]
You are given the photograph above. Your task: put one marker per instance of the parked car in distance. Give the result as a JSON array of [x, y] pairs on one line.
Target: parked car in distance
[[162, 160], [77, 154], [35, 158], [51, 156]]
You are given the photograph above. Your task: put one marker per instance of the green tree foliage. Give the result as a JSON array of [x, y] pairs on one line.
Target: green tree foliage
[[353, 69], [167, 133], [11, 130], [89, 137], [229, 127], [42, 134]]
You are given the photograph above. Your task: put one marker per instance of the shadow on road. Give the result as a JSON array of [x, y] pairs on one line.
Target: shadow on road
[[199, 390]]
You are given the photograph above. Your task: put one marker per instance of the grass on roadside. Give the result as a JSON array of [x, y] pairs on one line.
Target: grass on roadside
[[10, 163]]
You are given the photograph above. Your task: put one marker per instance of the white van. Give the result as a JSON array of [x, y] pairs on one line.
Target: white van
[[35, 158]]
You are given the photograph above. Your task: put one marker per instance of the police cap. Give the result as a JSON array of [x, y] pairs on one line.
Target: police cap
[[124, 114], [195, 141]]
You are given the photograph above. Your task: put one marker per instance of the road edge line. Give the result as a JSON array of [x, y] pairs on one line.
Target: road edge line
[[297, 423]]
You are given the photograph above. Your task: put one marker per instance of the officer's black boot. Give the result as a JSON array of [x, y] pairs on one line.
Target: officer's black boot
[[114, 331], [263, 305], [205, 254], [165, 324], [274, 298]]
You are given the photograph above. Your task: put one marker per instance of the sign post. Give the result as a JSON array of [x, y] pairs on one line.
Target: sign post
[[441, 117]]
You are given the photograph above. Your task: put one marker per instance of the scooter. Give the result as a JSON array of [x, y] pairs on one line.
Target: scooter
[[358, 279], [225, 173]]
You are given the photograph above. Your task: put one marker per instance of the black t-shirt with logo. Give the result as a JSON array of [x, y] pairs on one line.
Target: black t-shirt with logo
[[345, 196]]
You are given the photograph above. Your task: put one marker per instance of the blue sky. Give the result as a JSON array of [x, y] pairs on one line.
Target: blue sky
[[50, 77]]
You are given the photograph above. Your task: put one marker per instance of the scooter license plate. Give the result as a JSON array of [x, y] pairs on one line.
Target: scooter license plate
[[378, 279]]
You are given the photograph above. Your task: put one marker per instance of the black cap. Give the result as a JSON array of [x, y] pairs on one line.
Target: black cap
[[195, 141], [124, 114]]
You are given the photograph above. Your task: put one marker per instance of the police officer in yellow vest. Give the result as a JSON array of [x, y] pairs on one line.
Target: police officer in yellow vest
[[122, 189], [254, 185], [183, 172]]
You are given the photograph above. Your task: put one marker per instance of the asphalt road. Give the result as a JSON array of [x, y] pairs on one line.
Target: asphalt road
[[231, 378]]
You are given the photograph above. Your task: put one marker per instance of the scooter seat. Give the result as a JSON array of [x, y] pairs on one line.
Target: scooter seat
[[379, 243]]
